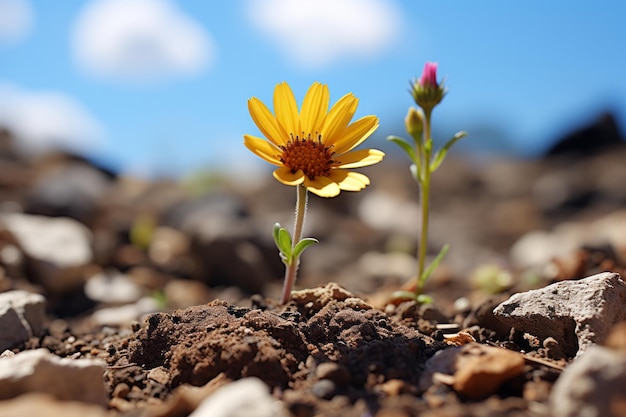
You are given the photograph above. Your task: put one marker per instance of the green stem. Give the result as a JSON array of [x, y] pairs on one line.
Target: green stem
[[425, 199], [292, 268]]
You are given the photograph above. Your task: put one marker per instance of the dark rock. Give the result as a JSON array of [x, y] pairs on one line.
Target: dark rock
[[603, 133], [67, 186], [224, 244]]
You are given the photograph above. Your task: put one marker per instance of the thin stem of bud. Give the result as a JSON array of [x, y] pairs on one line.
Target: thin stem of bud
[[425, 154]]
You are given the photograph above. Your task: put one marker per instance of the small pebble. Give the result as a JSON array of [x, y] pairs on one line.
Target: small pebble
[[159, 375], [121, 390], [324, 388], [335, 372]]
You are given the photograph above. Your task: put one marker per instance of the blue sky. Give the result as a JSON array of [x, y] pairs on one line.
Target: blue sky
[[161, 85]]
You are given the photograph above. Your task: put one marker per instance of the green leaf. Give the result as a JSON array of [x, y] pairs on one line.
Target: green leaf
[[284, 241], [402, 296], [441, 154], [302, 245], [435, 263], [424, 299], [428, 146], [282, 238], [404, 145], [275, 233]]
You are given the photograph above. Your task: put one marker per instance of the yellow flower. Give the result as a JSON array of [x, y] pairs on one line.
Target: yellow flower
[[313, 147]]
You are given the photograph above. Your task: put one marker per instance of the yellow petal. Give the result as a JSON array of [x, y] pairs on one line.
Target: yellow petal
[[355, 134], [322, 186], [357, 159], [266, 122], [349, 181], [339, 117], [314, 108], [286, 109], [263, 148], [284, 175]]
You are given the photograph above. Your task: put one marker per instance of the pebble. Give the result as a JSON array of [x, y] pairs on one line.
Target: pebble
[[577, 314], [121, 390], [126, 313], [36, 404], [335, 372], [56, 249], [41, 371], [22, 315], [112, 287], [159, 375], [324, 388], [474, 370], [63, 242], [395, 387], [591, 386], [247, 397], [481, 370]]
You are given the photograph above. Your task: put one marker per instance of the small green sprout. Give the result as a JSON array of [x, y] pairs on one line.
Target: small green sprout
[[290, 253]]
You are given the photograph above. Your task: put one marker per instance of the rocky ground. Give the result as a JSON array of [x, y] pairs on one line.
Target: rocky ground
[[123, 297]]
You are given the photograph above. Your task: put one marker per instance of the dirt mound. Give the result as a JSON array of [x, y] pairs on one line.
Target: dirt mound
[[283, 347]]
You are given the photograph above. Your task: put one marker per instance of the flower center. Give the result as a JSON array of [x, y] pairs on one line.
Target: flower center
[[307, 154]]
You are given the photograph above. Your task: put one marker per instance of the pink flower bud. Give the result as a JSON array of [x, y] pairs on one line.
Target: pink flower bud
[[426, 91], [429, 76]]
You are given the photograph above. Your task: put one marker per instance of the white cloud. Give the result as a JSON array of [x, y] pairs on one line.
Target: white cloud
[[317, 32], [44, 120], [140, 40], [16, 20]]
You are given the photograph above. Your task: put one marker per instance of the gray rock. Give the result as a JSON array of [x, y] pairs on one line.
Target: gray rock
[[41, 371], [60, 241], [591, 386], [324, 388], [56, 248], [248, 397], [537, 248], [45, 405], [577, 314], [22, 315], [67, 186], [222, 244]]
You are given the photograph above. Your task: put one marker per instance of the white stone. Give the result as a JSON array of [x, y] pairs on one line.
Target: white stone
[[56, 249], [37, 404], [591, 386], [577, 314], [125, 314], [537, 248], [22, 315], [62, 241], [248, 397], [41, 371], [112, 287]]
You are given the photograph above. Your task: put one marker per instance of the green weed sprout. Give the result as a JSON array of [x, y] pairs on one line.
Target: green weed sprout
[[427, 93]]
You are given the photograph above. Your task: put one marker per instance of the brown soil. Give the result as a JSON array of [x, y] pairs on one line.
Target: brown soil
[[324, 353]]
